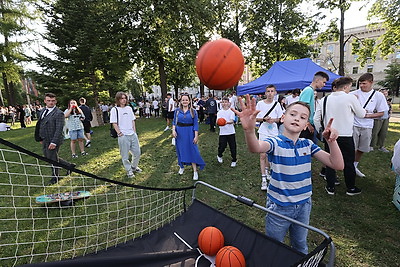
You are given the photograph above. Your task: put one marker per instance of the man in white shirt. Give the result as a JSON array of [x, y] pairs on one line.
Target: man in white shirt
[[123, 121], [170, 110], [269, 115], [375, 104], [295, 96], [342, 107]]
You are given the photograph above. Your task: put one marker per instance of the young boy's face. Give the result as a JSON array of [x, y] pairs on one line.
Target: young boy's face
[[270, 93], [366, 86], [225, 104], [296, 118]]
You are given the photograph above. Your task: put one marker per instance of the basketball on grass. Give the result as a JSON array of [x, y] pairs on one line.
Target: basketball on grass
[[221, 122], [219, 64], [210, 240], [230, 256]]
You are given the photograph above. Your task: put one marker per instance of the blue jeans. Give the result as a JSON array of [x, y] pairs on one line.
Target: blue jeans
[[277, 228]]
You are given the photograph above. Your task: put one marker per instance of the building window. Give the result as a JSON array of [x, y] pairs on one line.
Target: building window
[[398, 54], [355, 57], [330, 49], [318, 62], [370, 68], [355, 70]]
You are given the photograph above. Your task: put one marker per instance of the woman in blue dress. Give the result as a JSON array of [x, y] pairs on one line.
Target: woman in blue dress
[[185, 129]]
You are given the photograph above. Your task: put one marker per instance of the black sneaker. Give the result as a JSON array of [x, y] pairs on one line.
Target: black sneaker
[[337, 181], [330, 190], [354, 191], [322, 172]]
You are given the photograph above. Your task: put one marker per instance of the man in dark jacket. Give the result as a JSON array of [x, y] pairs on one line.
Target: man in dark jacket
[[211, 105], [49, 132]]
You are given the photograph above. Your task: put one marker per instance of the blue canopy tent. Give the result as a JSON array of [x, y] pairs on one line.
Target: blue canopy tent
[[287, 75]]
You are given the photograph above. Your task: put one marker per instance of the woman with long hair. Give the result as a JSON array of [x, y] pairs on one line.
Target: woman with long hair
[[185, 129], [74, 116]]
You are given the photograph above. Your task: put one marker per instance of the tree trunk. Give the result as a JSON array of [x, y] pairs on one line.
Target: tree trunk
[[99, 114], [163, 77], [341, 39]]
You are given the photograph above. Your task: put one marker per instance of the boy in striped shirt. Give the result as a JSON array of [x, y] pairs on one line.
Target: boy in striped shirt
[[290, 188]]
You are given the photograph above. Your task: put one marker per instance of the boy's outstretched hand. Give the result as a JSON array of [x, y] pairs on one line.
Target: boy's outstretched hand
[[248, 114], [330, 134]]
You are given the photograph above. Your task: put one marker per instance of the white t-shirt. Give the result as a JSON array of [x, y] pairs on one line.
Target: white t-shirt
[[171, 105], [155, 104], [125, 119], [377, 103], [269, 129], [3, 127], [341, 107], [290, 99], [233, 101], [228, 115]]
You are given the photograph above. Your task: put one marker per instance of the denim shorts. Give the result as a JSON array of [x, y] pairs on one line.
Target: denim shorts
[[76, 134]]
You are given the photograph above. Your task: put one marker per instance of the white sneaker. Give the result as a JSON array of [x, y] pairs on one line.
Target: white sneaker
[[195, 176], [233, 164], [359, 173], [181, 170], [371, 148], [268, 176], [166, 129], [383, 149], [137, 169], [130, 174], [88, 143], [220, 160], [264, 185]]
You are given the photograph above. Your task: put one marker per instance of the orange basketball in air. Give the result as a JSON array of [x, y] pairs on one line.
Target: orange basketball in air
[[220, 64], [230, 256], [210, 240], [221, 122]]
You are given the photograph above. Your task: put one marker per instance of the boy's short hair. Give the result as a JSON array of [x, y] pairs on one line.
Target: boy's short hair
[[225, 98], [299, 103], [366, 77], [82, 100], [342, 81], [321, 74], [270, 86], [169, 94], [296, 91], [50, 95]]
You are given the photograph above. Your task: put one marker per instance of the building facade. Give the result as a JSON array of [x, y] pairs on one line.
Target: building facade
[[328, 57]]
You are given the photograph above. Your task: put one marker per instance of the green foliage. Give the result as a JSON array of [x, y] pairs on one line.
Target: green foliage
[[389, 12], [364, 49], [392, 78], [276, 30], [13, 18], [89, 56]]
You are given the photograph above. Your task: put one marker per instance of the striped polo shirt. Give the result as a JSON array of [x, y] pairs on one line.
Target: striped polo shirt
[[290, 170]]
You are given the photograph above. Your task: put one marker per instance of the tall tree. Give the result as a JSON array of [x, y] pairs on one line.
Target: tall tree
[[392, 78], [167, 32], [276, 30], [90, 56], [14, 16]]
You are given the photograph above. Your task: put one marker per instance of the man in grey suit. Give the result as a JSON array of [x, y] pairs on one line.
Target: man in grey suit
[[49, 132]]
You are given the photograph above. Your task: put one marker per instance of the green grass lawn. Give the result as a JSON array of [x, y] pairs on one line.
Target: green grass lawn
[[364, 228]]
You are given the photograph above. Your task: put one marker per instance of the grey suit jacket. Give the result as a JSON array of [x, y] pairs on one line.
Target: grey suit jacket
[[50, 128]]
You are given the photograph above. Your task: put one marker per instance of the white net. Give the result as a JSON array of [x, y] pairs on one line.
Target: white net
[[37, 232]]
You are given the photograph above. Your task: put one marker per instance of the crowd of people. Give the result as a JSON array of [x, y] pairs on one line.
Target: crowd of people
[[19, 113], [283, 129]]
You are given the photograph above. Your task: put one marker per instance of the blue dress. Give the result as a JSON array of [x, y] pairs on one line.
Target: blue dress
[[185, 126]]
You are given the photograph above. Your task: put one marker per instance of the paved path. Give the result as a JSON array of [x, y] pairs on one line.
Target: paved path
[[395, 117]]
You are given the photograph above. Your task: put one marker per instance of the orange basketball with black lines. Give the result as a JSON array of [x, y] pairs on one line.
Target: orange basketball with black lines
[[230, 256], [219, 64], [210, 240], [221, 122]]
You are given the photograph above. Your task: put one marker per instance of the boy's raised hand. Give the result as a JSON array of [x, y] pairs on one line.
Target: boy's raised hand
[[330, 134], [248, 113]]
